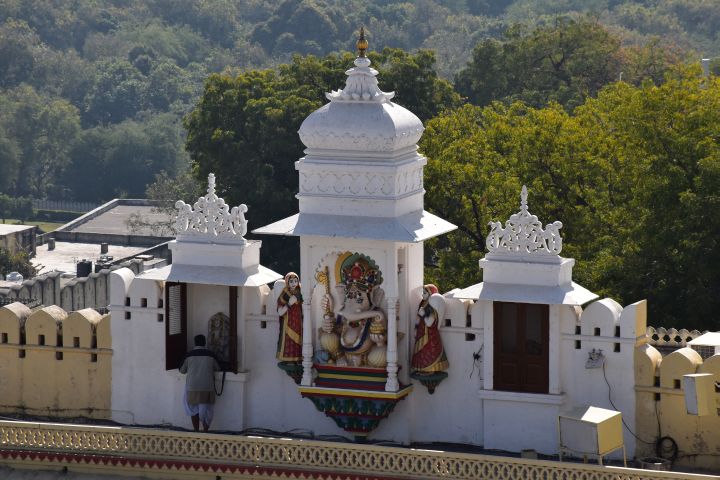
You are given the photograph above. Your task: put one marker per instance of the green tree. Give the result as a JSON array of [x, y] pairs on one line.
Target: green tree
[[168, 83], [16, 262], [121, 160], [22, 208], [668, 135], [116, 93], [633, 175], [5, 206], [18, 45], [564, 62], [414, 78], [43, 130], [165, 191], [9, 161], [244, 129]]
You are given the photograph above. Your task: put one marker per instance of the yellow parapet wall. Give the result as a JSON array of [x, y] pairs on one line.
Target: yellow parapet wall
[[55, 364], [168, 454], [661, 409]]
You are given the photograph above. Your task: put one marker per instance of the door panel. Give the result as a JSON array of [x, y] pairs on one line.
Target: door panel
[[521, 341], [175, 324]]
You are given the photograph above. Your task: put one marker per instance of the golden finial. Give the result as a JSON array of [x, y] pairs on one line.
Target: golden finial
[[362, 44]]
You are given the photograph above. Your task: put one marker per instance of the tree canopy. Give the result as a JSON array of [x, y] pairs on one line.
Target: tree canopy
[[632, 174], [564, 62], [94, 95]]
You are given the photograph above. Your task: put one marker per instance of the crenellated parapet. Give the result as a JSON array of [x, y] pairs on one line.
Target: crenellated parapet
[[671, 338], [53, 362], [76, 294], [661, 404]]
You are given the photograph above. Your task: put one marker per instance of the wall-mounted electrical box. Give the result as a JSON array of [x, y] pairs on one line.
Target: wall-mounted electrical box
[[590, 431], [699, 393], [596, 358]]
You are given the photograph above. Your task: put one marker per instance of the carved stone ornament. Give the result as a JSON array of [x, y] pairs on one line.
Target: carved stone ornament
[[211, 217], [524, 234], [361, 85], [361, 184]]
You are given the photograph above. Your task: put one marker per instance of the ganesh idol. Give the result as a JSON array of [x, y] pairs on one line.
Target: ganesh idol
[[354, 329]]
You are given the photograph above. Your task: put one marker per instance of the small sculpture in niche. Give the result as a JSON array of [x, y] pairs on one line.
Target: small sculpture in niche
[[289, 309], [354, 331], [219, 337], [429, 362]]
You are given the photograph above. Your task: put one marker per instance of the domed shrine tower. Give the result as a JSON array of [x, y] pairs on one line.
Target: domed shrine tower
[[362, 226]]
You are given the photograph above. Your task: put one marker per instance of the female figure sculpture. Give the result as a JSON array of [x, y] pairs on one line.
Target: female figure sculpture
[[289, 308], [429, 361]]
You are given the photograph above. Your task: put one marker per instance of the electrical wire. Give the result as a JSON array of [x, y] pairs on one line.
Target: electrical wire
[[613, 405], [657, 416]]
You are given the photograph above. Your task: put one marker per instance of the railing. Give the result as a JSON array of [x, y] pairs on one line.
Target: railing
[[214, 452], [64, 205], [671, 337]]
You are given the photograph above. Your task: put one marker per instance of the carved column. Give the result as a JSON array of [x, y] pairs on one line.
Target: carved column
[[307, 346], [392, 384], [307, 286]]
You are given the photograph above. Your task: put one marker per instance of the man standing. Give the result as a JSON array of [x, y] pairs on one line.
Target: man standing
[[200, 366]]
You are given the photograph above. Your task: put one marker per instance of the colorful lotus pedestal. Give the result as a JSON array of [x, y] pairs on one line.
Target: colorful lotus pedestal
[[355, 398], [429, 380]]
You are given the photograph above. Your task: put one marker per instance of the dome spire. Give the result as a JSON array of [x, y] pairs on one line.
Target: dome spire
[[361, 84], [362, 44]]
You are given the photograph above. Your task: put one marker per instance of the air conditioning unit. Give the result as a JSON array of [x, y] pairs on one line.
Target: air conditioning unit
[[706, 345]]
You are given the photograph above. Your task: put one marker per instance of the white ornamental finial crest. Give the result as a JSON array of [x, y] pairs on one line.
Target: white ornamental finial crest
[[211, 217], [361, 84], [524, 234]]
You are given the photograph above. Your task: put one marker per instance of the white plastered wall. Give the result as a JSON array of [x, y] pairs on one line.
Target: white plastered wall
[[599, 323], [460, 410], [143, 392]]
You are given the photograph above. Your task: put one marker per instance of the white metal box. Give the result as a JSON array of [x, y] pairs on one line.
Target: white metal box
[[699, 392], [590, 430]]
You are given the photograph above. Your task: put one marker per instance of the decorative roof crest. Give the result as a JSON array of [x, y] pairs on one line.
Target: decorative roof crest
[[361, 84], [523, 234], [211, 217]]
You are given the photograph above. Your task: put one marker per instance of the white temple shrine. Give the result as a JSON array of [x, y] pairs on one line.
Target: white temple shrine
[[356, 343]]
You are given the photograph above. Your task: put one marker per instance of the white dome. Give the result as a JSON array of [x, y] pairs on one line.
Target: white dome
[[361, 118]]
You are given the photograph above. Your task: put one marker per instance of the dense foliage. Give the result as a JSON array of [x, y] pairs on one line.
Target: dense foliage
[[564, 62], [99, 98], [633, 174], [97, 86], [16, 262]]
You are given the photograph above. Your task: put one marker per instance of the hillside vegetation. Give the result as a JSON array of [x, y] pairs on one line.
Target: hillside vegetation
[[597, 105]]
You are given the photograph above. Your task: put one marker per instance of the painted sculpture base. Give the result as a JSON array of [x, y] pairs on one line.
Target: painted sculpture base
[[354, 397], [429, 380], [293, 369]]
